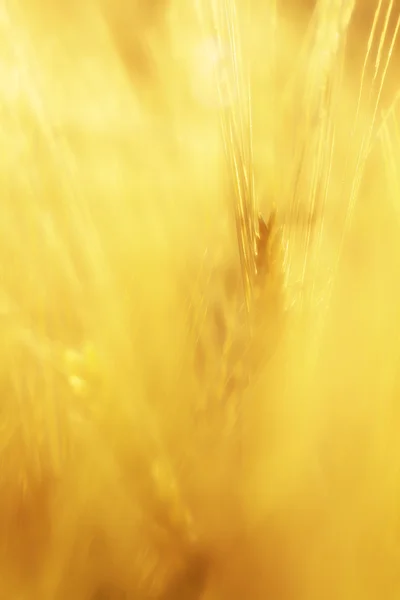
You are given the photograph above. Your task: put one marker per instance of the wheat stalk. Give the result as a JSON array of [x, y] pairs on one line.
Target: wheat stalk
[[236, 122]]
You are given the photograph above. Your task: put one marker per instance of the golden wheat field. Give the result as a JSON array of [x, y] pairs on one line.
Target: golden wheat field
[[199, 300]]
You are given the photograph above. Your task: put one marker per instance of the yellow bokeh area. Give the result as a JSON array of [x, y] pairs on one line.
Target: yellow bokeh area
[[199, 300]]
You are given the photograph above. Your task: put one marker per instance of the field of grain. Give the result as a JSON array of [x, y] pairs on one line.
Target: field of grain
[[199, 300]]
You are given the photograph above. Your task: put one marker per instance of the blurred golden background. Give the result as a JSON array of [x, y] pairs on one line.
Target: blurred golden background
[[193, 406]]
